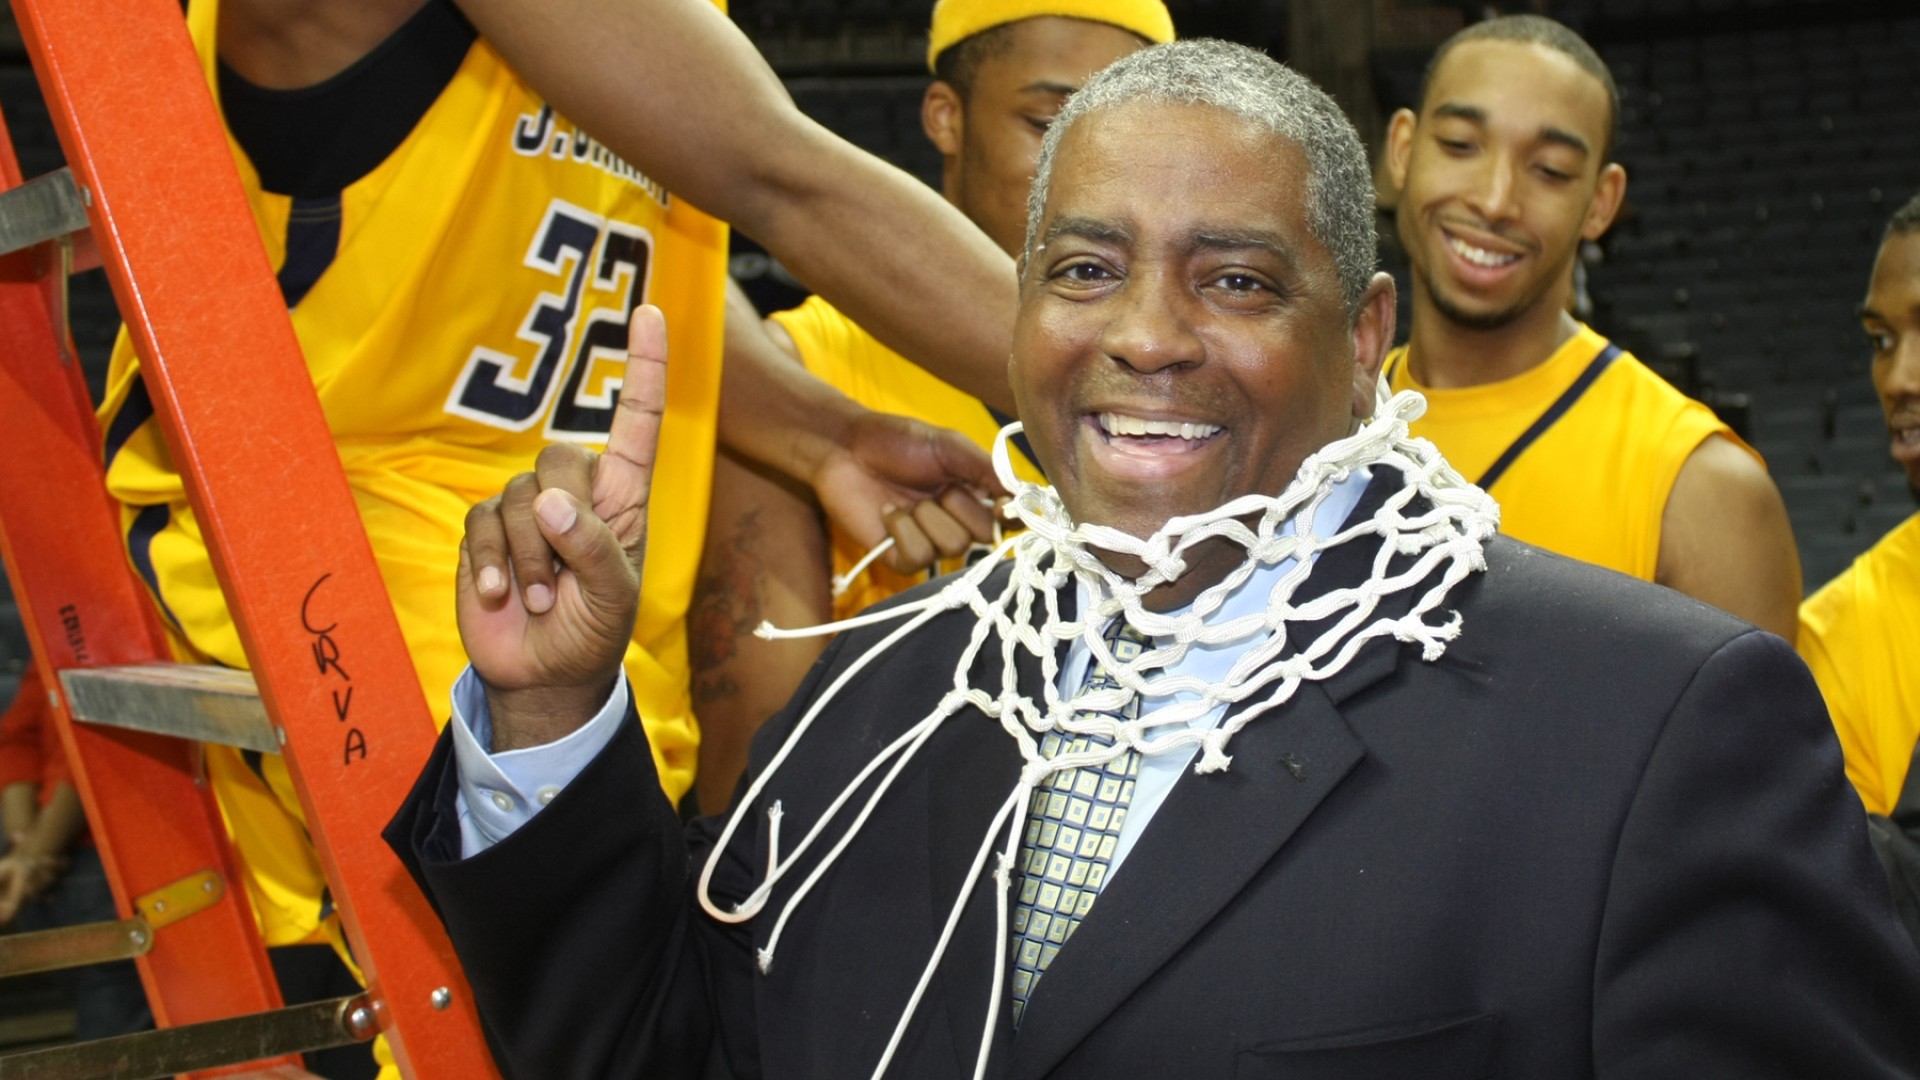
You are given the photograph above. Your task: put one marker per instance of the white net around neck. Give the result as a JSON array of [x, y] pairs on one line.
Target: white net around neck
[[1430, 534]]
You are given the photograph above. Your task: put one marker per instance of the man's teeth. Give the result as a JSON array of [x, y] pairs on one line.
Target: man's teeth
[[1115, 424], [1479, 256]]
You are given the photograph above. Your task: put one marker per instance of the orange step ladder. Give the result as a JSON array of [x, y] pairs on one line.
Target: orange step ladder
[[151, 177]]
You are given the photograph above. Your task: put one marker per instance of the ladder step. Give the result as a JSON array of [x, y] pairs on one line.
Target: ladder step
[[150, 1055], [44, 208], [189, 701], [73, 946]]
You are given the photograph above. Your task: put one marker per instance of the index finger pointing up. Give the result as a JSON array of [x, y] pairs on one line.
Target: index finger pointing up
[[623, 478]]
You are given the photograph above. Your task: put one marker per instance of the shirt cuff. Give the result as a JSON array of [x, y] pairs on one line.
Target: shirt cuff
[[501, 792]]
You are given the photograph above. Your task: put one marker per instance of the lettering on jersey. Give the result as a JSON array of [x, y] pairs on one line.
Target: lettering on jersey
[[326, 657], [573, 376], [543, 132]]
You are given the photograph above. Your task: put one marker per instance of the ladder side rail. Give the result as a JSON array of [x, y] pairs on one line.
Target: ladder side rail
[[153, 819], [183, 255]]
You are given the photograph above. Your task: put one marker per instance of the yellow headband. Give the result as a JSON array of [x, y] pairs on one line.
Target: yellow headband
[[954, 21]]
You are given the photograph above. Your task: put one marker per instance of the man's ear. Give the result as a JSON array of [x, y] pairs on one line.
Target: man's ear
[[1608, 193], [1400, 145], [943, 116], [1372, 339]]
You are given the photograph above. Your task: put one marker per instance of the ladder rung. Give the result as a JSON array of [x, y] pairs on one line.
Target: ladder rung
[[73, 946], [150, 1055], [190, 701], [44, 208]]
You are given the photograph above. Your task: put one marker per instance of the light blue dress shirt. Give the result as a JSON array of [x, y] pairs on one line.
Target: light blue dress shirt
[[500, 792]]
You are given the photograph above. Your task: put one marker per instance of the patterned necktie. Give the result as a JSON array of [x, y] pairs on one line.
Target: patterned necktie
[[1073, 825]]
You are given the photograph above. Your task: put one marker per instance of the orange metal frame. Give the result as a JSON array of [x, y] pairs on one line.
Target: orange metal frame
[[139, 128], [152, 817]]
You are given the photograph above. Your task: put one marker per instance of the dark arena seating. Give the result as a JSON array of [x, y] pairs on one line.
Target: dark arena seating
[[1767, 144]]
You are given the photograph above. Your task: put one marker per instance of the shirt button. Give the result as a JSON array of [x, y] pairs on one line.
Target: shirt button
[[546, 794], [502, 800]]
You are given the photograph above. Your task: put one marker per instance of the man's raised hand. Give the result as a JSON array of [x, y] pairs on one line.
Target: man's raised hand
[[549, 579]]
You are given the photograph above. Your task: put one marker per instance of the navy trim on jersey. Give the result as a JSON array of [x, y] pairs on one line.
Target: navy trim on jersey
[[255, 762], [316, 140], [136, 410], [1547, 419], [147, 525], [1552, 416], [313, 239], [1019, 441]]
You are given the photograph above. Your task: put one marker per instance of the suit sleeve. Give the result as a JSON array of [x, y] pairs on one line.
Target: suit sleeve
[[588, 956], [574, 931], [1748, 931]]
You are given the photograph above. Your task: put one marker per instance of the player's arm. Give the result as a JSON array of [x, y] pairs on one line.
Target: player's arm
[[779, 336], [674, 88], [19, 805], [1725, 539], [876, 475], [38, 856]]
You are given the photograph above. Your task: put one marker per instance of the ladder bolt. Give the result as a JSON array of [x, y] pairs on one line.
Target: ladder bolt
[[360, 1021], [280, 733], [159, 905], [53, 699], [442, 997], [86, 195], [138, 934]]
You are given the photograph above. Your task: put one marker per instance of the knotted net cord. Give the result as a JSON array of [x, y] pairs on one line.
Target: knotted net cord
[[1435, 517]]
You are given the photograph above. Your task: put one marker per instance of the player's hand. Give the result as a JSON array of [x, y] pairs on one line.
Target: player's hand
[[24, 876], [929, 488], [549, 579]]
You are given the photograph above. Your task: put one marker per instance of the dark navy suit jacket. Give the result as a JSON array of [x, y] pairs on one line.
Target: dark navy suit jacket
[[1606, 834]]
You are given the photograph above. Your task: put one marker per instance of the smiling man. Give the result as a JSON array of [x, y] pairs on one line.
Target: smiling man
[[1260, 754], [1502, 172], [1001, 71]]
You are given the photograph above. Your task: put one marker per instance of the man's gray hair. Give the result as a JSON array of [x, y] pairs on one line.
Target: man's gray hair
[[1246, 83]]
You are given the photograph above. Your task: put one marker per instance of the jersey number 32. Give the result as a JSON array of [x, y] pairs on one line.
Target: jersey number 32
[[579, 358]]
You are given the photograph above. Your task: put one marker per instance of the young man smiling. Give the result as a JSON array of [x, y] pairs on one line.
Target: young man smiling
[[1502, 173]]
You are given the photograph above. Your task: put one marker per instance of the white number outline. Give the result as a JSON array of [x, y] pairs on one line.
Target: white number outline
[[577, 268]]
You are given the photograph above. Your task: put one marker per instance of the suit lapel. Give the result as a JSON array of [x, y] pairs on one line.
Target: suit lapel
[[1211, 836]]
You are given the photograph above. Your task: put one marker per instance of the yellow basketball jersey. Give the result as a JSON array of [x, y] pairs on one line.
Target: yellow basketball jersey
[[1861, 636], [460, 306], [835, 348], [1581, 451]]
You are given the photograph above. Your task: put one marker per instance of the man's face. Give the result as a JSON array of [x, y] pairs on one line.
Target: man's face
[[991, 139], [1891, 315], [1500, 178], [1182, 337]]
